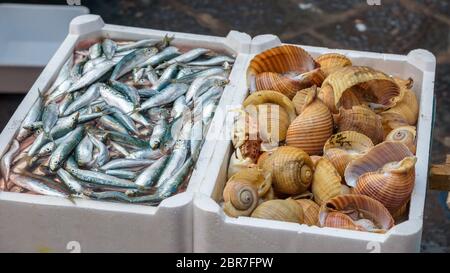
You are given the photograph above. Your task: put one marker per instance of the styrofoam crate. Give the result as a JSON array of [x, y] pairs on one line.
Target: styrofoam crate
[[35, 223], [214, 231], [30, 36]]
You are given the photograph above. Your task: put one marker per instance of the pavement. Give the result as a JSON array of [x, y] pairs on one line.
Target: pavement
[[391, 27]]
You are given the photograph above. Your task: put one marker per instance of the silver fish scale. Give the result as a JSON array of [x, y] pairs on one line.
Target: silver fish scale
[[116, 124]]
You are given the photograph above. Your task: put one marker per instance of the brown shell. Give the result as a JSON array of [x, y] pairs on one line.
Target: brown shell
[[362, 120], [340, 220], [386, 173], [405, 135], [347, 101], [354, 207], [240, 199], [390, 121], [330, 62], [407, 107], [291, 168], [263, 157], [311, 129], [282, 210], [278, 61], [255, 176], [326, 181], [343, 147], [301, 99], [377, 87], [310, 211]]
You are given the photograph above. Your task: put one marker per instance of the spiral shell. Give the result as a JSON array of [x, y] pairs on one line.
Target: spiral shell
[[291, 169], [326, 181], [330, 62], [354, 212], [385, 173], [362, 120], [405, 135], [267, 70], [310, 211], [240, 199], [408, 106], [311, 129], [375, 86], [390, 121], [282, 210], [254, 176], [343, 147]]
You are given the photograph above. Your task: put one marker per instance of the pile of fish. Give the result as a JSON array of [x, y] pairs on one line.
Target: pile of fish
[[123, 121]]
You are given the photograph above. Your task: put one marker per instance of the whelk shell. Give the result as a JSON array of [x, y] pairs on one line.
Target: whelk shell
[[291, 169], [343, 147], [282, 210], [408, 106], [377, 87], [405, 135], [266, 70], [355, 212], [326, 181], [386, 173], [362, 120], [311, 129]]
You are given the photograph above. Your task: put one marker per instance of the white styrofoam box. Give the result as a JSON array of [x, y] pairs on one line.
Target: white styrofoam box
[[214, 231], [30, 35], [40, 223]]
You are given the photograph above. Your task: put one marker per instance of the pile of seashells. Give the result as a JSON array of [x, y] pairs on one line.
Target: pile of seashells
[[322, 142]]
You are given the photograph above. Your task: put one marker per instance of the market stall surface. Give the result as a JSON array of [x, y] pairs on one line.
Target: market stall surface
[[391, 27]]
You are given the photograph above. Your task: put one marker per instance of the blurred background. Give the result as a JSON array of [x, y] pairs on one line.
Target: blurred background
[[392, 27]]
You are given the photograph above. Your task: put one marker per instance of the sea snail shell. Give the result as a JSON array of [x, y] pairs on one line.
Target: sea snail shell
[[282, 210], [355, 212], [385, 173], [291, 169], [311, 129], [267, 70]]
